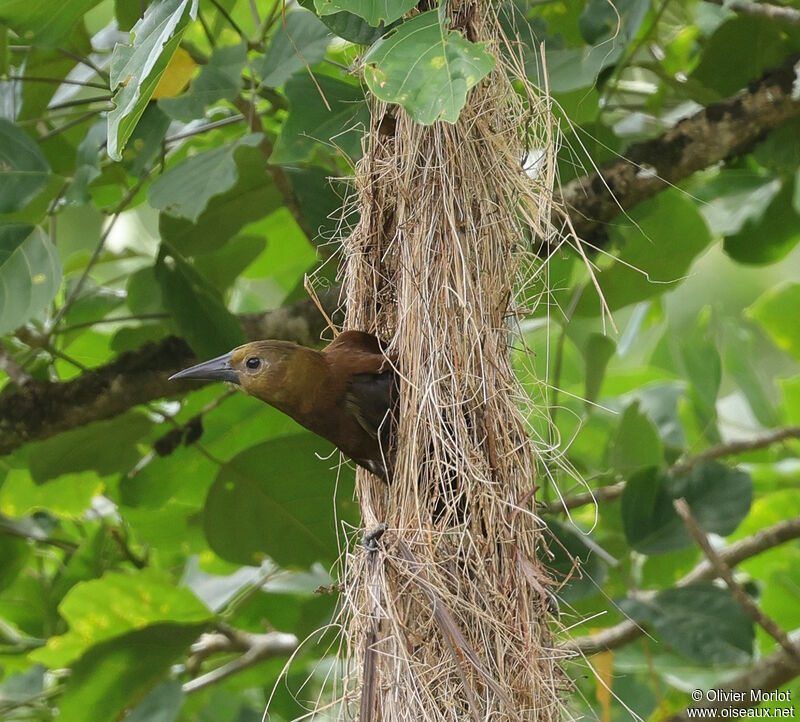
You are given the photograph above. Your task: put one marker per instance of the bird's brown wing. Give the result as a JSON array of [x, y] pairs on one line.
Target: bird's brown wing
[[368, 392], [370, 398]]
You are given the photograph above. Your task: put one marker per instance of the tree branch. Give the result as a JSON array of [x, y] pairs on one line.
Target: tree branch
[[723, 571], [279, 176], [625, 632], [778, 13], [720, 131], [254, 648], [731, 448]]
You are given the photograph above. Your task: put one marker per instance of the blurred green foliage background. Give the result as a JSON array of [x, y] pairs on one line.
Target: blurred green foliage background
[[166, 172]]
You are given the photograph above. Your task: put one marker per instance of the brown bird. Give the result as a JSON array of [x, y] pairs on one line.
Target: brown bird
[[344, 393]]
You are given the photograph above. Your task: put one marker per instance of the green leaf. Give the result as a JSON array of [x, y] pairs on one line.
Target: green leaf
[[105, 447], [570, 68], [281, 268], [348, 26], [760, 44], [320, 198], [87, 164], [277, 500], [118, 603], [254, 196], [41, 20], [718, 496], [776, 311], [790, 388], [297, 44], [185, 189], [115, 675], [598, 352], [600, 22], [30, 274], [222, 267], [311, 124], [702, 621], [734, 197], [137, 68], [426, 69], [25, 169], [163, 704], [353, 28], [93, 303], [745, 365], [219, 79], [373, 11], [14, 551], [669, 222], [186, 475], [146, 143], [127, 13], [780, 150], [143, 294], [69, 496], [208, 327], [636, 443], [770, 236], [796, 196], [700, 362]]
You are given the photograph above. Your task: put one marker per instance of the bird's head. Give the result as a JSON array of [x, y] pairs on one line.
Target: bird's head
[[262, 368]]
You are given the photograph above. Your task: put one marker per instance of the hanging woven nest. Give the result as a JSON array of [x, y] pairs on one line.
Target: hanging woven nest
[[445, 617]]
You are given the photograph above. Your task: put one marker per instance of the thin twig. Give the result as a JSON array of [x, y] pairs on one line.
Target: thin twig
[[279, 176], [254, 11], [625, 632], [12, 369], [111, 319], [723, 571], [779, 13], [69, 124], [204, 128], [604, 493], [58, 353], [256, 647], [206, 30], [25, 529], [271, 17], [140, 562], [58, 81], [81, 101], [84, 61], [222, 11], [731, 448], [121, 206]]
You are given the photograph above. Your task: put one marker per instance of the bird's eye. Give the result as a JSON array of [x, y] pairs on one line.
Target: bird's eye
[[253, 363]]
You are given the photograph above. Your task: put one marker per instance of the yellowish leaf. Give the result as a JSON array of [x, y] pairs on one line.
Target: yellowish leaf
[[178, 73], [603, 664]]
